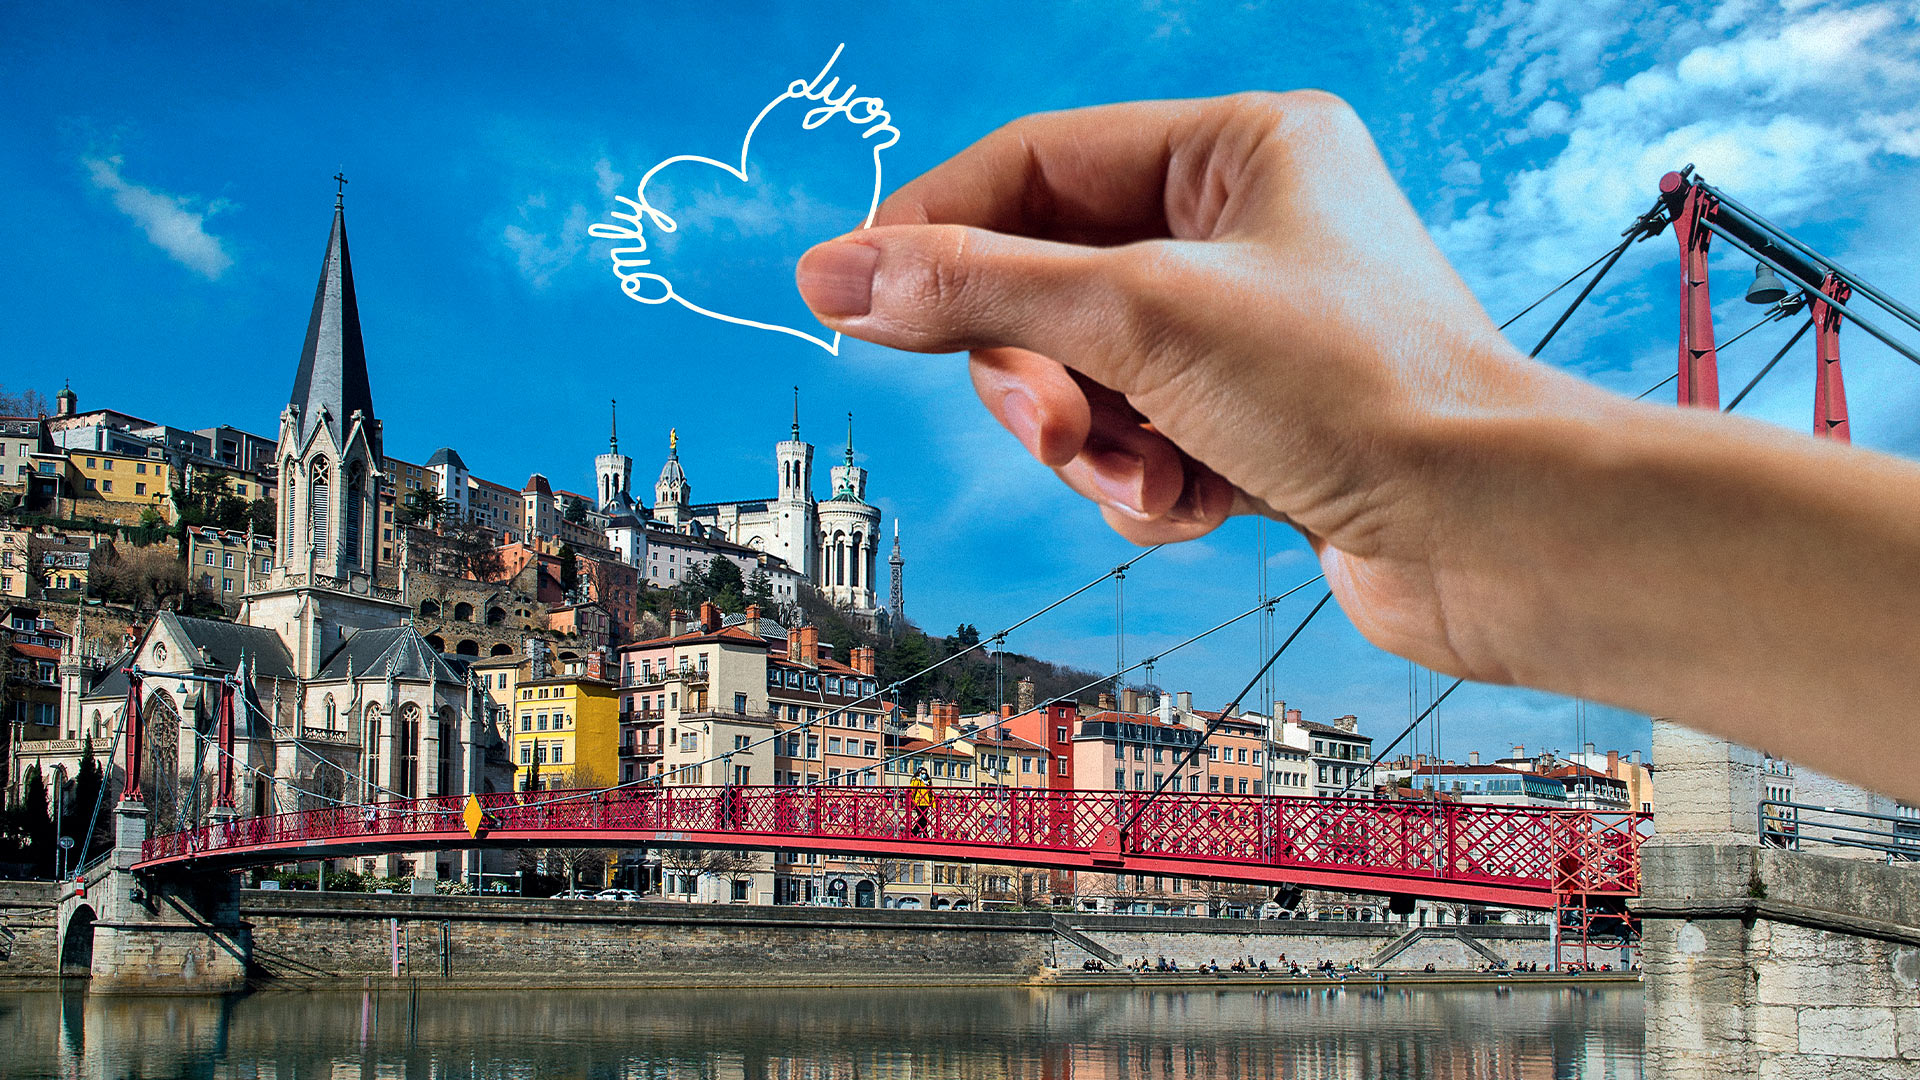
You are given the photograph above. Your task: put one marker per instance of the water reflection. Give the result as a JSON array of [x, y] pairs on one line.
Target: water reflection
[[1454, 1034]]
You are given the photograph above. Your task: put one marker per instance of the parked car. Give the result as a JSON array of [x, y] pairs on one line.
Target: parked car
[[616, 894], [574, 894]]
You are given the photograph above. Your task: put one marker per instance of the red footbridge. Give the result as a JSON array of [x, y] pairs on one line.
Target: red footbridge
[[1507, 856]]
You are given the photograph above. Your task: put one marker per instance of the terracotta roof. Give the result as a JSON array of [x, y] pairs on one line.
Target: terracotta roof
[[736, 634], [1149, 719], [927, 748], [38, 652]]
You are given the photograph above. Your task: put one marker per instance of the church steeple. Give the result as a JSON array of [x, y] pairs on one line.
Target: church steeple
[[331, 383]]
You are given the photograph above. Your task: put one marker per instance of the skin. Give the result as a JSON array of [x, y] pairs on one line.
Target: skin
[[1196, 309]]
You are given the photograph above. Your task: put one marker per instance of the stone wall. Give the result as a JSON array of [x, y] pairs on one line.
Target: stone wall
[[309, 937], [29, 934], [1808, 967], [320, 937]]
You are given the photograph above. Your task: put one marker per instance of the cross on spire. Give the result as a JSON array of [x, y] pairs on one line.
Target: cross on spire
[[340, 192], [613, 437], [796, 414], [849, 437]]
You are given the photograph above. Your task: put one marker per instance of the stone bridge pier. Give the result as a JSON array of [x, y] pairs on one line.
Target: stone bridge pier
[[178, 933], [1762, 962]]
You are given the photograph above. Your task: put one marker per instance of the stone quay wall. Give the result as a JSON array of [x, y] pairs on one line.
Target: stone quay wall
[[319, 938], [29, 934]]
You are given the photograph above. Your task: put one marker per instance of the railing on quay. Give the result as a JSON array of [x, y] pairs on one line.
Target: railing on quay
[[1526, 850], [1798, 826]]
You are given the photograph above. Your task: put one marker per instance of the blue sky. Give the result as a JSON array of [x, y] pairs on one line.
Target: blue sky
[[167, 172]]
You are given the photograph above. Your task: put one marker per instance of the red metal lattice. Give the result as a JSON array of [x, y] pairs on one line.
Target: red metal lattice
[[1509, 855]]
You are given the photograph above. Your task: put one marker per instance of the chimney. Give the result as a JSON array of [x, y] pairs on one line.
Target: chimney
[[924, 711], [1293, 716], [1184, 701], [1023, 694], [676, 622], [809, 646], [1419, 759], [1006, 713], [1105, 702], [709, 617], [1166, 708], [793, 644], [1613, 762], [1348, 723], [1634, 757], [1519, 751], [1590, 752], [1473, 757], [1129, 700], [862, 659], [753, 619], [1279, 709]]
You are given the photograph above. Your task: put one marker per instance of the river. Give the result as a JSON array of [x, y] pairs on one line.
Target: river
[[912, 1034]]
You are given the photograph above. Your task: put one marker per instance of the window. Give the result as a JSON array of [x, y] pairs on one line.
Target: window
[[1139, 753], [139, 489], [107, 464], [226, 584], [1243, 755], [740, 887], [1140, 781], [1193, 782], [226, 560], [141, 468], [1060, 734], [93, 463], [872, 749], [1060, 766], [833, 746], [1213, 784], [90, 483], [541, 723], [1119, 779], [526, 753], [1159, 756]]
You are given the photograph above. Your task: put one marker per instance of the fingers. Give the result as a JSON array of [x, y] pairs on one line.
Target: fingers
[[944, 288], [1090, 176], [1100, 446]]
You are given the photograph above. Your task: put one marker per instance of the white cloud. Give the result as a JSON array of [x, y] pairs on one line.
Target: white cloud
[[1786, 112], [541, 254], [172, 222]]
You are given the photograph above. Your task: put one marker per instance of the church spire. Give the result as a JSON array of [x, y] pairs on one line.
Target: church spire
[[796, 414], [332, 383], [849, 437], [613, 437]]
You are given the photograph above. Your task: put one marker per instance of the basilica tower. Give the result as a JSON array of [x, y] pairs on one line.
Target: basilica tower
[[325, 555], [793, 527], [849, 538]]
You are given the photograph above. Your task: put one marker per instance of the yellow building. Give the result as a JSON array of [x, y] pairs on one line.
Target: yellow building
[[566, 733], [121, 478], [500, 677]]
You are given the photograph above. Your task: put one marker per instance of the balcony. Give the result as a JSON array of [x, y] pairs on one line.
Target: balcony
[[661, 676]]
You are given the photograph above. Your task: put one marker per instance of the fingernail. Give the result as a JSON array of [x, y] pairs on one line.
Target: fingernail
[[836, 278], [1022, 417], [1121, 478]]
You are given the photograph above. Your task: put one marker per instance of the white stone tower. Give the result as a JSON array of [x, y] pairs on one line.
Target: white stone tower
[[614, 470], [849, 538], [672, 494], [793, 529]]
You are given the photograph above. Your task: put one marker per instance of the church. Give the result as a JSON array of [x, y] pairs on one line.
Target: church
[[344, 698], [833, 543]]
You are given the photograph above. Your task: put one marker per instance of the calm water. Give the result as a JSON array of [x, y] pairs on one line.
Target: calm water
[[796, 1034]]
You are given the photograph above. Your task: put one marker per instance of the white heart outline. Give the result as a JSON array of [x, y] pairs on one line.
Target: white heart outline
[[627, 264]]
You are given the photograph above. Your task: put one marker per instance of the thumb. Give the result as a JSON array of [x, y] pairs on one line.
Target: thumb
[[949, 288]]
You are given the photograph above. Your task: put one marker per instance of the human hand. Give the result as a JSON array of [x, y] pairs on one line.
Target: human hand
[[1196, 309]]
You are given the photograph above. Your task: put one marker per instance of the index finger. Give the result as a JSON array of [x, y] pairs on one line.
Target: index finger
[[1103, 175]]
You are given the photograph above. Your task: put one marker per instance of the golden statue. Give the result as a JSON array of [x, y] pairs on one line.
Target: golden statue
[[673, 440]]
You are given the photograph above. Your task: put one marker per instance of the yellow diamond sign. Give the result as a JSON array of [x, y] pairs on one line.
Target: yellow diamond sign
[[473, 817]]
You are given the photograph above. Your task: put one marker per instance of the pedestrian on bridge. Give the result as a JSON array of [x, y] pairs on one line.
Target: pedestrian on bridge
[[920, 796]]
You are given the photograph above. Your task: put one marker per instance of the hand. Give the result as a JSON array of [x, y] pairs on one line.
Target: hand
[[1197, 309]]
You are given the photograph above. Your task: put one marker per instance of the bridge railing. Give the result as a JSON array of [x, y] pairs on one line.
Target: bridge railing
[[1568, 851]]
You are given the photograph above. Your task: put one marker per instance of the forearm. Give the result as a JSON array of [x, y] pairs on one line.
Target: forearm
[[1746, 581]]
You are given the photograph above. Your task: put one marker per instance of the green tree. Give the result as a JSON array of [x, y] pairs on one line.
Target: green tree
[[569, 569], [36, 821], [87, 783], [262, 516], [760, 590], [576, 511]]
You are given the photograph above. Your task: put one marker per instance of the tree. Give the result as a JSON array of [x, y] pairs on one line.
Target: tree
[[148, 578], [883, 872], [473, 551], [263, 516], [569, 570], [36, 822], [426, 509], [28, 402], [576, 511], [759, 590]]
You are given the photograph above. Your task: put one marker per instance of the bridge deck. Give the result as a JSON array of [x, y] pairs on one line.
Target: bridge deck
[[1505, 855]]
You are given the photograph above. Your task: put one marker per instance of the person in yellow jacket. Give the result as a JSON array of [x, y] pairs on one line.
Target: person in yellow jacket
[[920, 795]]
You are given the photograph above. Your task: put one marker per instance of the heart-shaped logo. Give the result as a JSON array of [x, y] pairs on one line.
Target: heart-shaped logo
[[632, 264]]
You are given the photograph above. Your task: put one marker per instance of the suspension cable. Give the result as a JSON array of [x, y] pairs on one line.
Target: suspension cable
[[1231, 707], [1406, 731], [1265, 605]]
